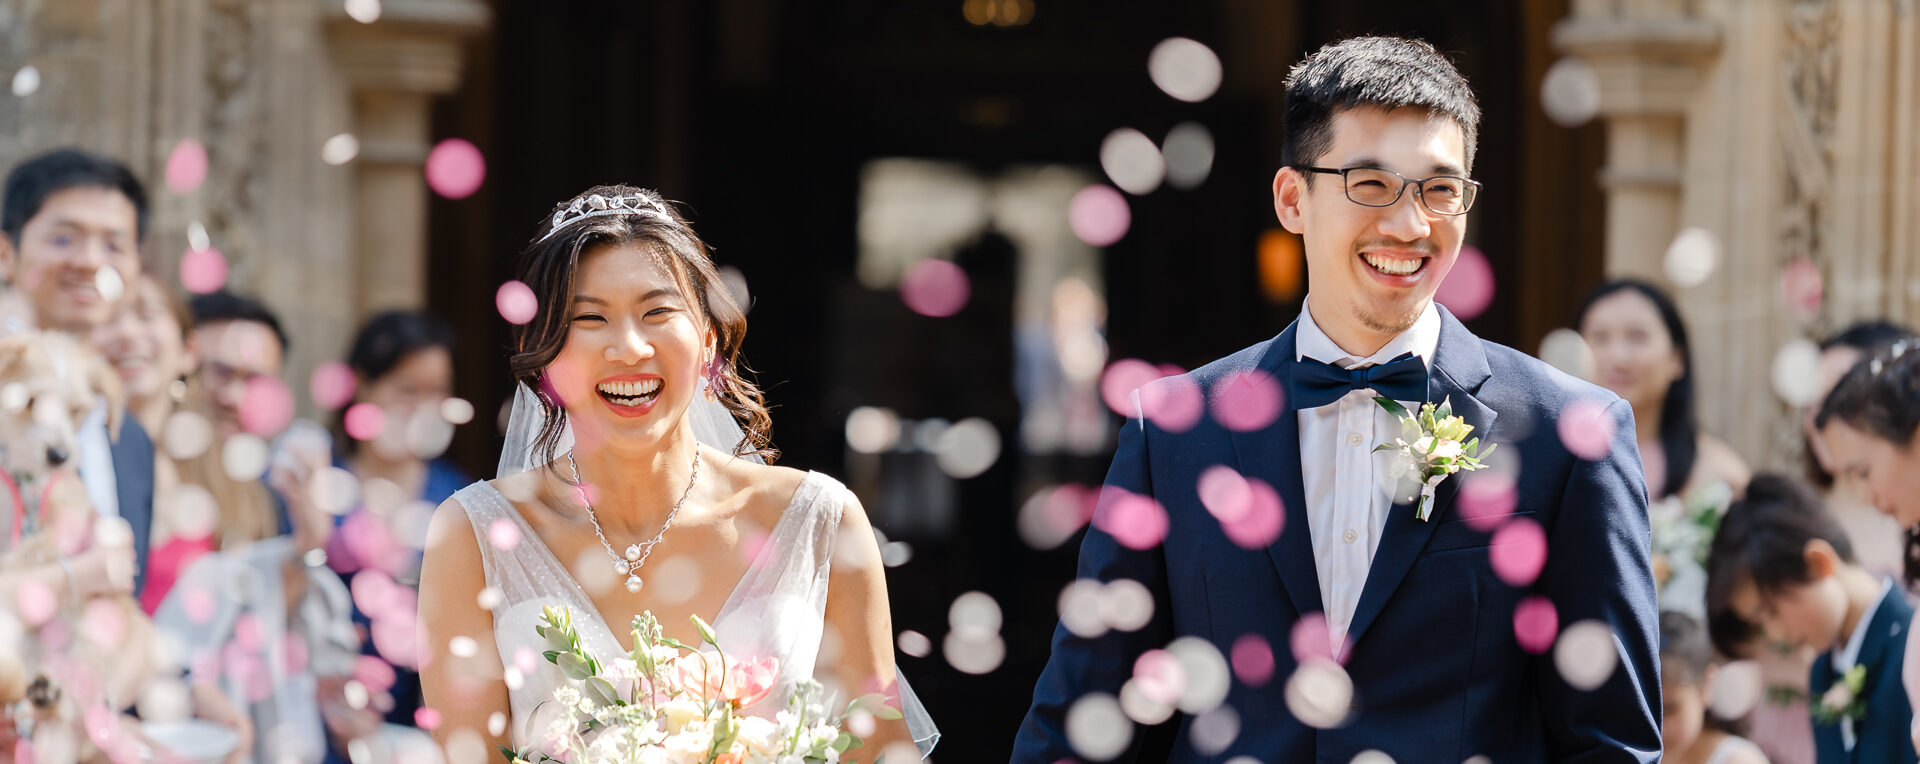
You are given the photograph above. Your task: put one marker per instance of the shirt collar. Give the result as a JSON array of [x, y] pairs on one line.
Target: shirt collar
[[1421, 339], [1850, 655]]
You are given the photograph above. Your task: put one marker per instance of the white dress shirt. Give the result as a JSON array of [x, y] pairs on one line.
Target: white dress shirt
[[1849, 655], [1348, 486], [95, 447]]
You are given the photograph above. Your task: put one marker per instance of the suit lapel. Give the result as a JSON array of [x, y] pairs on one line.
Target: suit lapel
[[1272, 454], [1459, 368]]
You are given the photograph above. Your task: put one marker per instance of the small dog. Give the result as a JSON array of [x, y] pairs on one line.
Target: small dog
[[49, 384]]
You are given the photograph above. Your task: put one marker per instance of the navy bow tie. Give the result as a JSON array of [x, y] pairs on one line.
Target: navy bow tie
[[1317, 384]]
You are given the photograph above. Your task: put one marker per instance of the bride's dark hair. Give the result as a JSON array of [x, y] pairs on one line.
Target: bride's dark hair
[[549, 267]]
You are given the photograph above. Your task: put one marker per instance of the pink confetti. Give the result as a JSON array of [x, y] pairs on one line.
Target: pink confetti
[[1249, 510], [1486, 499], [427, 718], [1311, 640], [1137, 522], [1535, 624], [364, 421], [1519, 551], [1801, 285], [203, 271], [186, 166], [752, 544], [526, 660], [504, 535], [100, 722], [246, 633], [1174, 404], [394, 639], [376, 674], [295, 652], [103, 622], [1247, 400], [1160, 676], [455, 168], [332, 384], [199, 605], [1068, 507], [266, 407], [1467, 288], [255, 681], [1586, 430], [516, 302], [1252, 659], [1099, 216], [36, 602], [1121, 379], [935, 288], [373, 590]]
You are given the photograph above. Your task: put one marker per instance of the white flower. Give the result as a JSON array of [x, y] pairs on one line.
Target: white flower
[[691, 743], [679, 712], [761, 737], [1837, 699]]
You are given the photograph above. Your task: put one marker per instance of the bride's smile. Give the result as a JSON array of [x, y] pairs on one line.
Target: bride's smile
[[634, 343]]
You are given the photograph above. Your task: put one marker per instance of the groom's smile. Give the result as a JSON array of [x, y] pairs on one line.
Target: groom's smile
[[1372, 270]]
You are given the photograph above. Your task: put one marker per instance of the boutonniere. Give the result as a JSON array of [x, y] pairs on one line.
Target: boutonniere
[[1845, 699], [1431, 447]]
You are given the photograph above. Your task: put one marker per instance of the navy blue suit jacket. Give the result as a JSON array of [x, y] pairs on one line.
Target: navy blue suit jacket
[[133, 483], [1883, 735], [1436, 669]]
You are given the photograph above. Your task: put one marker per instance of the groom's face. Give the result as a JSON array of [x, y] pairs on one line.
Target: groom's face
[[1373, 270]]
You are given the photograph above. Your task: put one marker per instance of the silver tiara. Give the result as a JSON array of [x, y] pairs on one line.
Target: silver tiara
[[596, 205], [1894, 352]]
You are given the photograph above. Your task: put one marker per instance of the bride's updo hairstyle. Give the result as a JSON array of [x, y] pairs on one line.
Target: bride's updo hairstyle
[[618, 216], [1880, 396]]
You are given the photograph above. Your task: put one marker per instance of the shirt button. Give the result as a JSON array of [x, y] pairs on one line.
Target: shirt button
[[1353, 439], [1351, 535]]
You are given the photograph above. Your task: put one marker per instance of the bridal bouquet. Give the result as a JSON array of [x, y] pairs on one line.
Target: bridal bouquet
[[683, 705]]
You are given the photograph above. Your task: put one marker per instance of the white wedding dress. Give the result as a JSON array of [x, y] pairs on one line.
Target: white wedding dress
[[777, 609]]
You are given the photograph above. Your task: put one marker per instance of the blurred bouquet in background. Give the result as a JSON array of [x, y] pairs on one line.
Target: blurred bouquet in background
[[1683, 528], [682, 705]]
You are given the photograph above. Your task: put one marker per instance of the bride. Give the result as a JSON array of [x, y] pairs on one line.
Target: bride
[[609, 502]]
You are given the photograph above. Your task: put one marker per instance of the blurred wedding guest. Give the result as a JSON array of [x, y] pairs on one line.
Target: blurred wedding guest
[[1870, 424], [1689, 732], [1878, 539], [402, 364], [70, 230], [1640, 352], [146, 342], [264, 574], [1782, 566]]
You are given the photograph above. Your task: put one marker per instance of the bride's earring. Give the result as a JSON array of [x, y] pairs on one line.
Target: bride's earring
[[712, 379], [177, 390]]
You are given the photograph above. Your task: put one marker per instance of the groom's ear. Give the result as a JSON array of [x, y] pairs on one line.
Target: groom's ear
[[1289, 194]]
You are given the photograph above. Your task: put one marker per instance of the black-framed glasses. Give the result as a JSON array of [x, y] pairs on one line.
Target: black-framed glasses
[[1374, 187]]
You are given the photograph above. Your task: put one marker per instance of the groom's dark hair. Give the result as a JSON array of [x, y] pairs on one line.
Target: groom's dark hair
[[1386, 72]]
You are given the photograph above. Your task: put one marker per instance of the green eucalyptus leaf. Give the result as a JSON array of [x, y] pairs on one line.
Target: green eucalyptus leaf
[[1392, 406]]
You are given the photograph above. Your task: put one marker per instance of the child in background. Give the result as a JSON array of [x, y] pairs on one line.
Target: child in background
[[1690, 734], [1781, 564]]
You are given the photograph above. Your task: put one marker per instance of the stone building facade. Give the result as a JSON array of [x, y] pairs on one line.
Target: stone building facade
[[263, 85], [1789, 130]]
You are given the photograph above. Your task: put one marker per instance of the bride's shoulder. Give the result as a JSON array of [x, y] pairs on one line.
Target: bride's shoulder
[[769, 490]]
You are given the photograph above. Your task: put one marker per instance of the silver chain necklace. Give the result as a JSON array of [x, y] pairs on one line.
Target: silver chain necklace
[[637, 554]]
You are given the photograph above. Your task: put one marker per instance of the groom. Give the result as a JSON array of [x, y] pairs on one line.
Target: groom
[[1421, 639]]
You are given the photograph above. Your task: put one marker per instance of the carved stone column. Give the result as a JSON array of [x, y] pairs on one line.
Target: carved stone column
[[1650, 60], [394, 67]]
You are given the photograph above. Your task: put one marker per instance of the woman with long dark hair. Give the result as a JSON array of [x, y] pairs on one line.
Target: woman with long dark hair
[[1870, 425], [633, 329], [1641, 353]]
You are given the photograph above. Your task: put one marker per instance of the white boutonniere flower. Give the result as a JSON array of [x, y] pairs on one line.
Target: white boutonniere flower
[[1844, 699], [1432, 446]]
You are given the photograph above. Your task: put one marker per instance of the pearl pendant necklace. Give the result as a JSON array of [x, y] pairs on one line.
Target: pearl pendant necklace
[[637, 554]]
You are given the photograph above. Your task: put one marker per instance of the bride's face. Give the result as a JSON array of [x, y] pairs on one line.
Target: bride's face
[[636, 347]]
